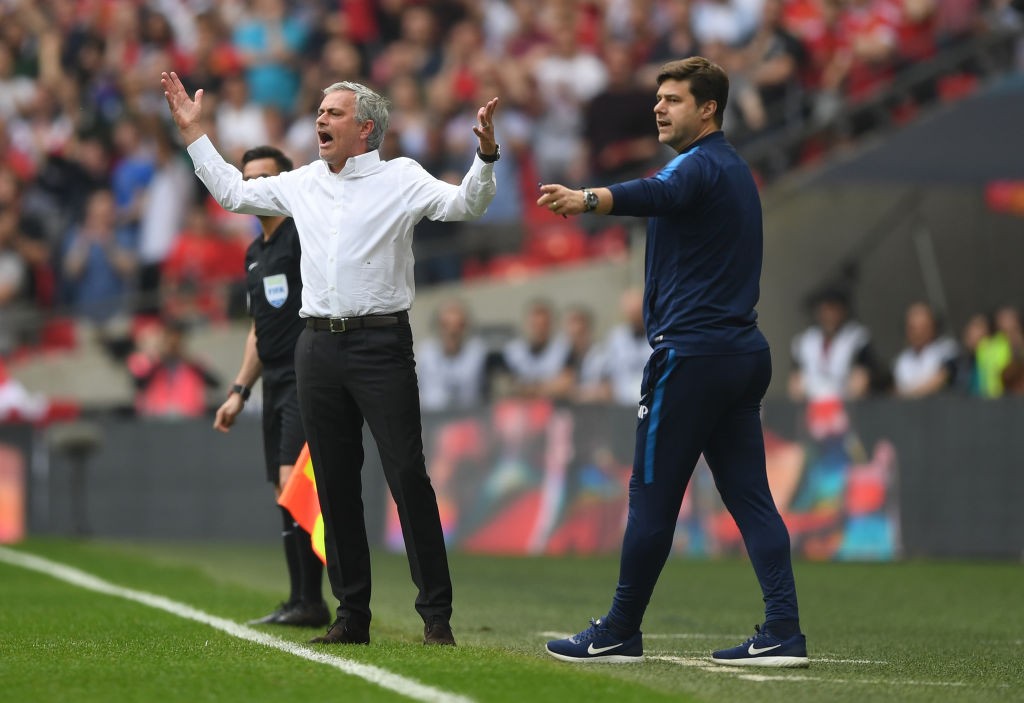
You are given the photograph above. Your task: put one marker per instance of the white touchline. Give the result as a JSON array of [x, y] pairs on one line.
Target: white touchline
[[410, 688], [746, 675], [657, 636]]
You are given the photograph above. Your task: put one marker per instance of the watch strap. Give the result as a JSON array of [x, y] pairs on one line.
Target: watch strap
[[489, 158]]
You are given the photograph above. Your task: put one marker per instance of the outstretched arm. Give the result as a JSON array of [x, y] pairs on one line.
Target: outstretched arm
[[260, 196], [187, 113], [565, 201]]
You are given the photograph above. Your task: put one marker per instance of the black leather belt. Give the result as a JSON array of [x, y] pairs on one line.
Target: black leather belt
[[346, 324]]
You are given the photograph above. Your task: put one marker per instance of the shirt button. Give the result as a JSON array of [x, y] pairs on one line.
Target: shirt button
[[330, 287]]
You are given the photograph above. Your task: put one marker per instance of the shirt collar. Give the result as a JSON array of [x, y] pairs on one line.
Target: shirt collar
[[357, 166], [717, 135]]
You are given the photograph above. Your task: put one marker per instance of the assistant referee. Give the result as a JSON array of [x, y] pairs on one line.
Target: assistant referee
[[274, 287]]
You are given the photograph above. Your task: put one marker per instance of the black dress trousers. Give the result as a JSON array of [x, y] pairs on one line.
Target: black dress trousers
[[344, 378]]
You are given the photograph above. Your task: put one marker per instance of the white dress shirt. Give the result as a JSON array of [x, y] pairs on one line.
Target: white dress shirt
[[355, 227]]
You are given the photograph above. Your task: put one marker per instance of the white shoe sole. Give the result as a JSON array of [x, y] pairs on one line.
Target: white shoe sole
[[774, 662], [610, 659]]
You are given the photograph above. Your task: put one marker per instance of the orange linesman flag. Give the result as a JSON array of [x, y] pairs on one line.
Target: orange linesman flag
[[300, 499]]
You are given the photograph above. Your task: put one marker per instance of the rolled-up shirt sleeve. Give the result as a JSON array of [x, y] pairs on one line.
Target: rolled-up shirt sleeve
[[259, 196]]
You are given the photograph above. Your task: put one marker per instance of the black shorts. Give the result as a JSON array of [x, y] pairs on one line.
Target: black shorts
[[282, 424]]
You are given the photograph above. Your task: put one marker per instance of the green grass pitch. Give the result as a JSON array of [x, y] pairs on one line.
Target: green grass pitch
[[915, 631]]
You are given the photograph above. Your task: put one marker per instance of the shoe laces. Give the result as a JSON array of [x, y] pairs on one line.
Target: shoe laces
[[758, 634], [591, 633]]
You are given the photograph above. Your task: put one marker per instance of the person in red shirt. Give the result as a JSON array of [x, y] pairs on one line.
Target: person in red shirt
[[169, 383], [200, 268]]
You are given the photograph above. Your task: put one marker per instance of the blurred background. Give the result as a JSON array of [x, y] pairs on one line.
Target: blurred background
[[885, 136]]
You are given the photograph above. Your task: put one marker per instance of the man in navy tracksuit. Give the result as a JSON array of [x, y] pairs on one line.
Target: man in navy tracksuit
[[710, 368]]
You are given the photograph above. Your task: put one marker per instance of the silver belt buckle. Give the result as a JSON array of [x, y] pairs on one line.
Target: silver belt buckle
[[330, 324]]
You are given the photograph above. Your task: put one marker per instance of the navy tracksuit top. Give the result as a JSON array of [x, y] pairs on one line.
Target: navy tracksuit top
[[704, 250]]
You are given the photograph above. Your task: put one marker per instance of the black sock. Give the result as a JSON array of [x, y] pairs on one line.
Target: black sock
[[311, 569], [783, 629], [291, 556]]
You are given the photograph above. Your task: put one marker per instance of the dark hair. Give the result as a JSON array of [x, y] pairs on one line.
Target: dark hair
[[268, 152], [708, 81], [832, 295]]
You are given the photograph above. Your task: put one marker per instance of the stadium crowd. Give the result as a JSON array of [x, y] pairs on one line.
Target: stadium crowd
[[100, 215]]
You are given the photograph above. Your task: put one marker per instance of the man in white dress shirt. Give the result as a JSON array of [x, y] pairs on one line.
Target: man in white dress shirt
[[355, 215]]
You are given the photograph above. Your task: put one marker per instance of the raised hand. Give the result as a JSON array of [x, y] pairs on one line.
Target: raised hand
[[485, 130], [186, 112]]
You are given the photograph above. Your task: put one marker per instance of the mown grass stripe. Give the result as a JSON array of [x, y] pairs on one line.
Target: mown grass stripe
[[404, 686]]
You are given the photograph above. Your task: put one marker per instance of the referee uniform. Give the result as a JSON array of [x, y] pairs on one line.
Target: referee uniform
[[274, 287], [275, 295]]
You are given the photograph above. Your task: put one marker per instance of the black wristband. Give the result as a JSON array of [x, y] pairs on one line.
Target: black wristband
[[241, 390], [489, 158]]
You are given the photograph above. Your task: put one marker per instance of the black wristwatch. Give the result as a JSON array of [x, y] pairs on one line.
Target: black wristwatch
[[489, 158], [590, 201], [241, 390]]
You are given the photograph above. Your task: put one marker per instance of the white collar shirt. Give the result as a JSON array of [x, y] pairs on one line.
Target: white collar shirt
[[355, 227]]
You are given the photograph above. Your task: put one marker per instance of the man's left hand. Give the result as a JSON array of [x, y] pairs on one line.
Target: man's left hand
[[484, 131]]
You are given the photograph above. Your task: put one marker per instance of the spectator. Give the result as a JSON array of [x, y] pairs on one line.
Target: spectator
[[729, 22], [775, 60], [163, 214], [927, 364], [998, 350], [865, 54], [581, 379], [627, 350], [417, 50], [411, 121], [968, 376], [98, 262], [16, 91], [451, 365], [833, 357], [500, 229], [1013, 378], [239, 121], [13, 277], [619, 137], [677, 40], [168, 382], [269, 41], [199, 270], [567, 79], [132, 174], [30, 240], [535, 358]]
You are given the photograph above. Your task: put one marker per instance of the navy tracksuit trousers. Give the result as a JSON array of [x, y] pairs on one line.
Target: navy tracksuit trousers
[[693, 405]]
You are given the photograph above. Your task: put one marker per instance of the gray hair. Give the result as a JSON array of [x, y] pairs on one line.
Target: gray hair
[[369, 106]]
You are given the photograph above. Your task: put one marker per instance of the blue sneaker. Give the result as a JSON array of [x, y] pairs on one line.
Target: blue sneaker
[[765, 649], [598, 644]]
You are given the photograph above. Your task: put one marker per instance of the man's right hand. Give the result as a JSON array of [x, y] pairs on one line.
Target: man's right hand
[[227, 412], [186, 112]]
